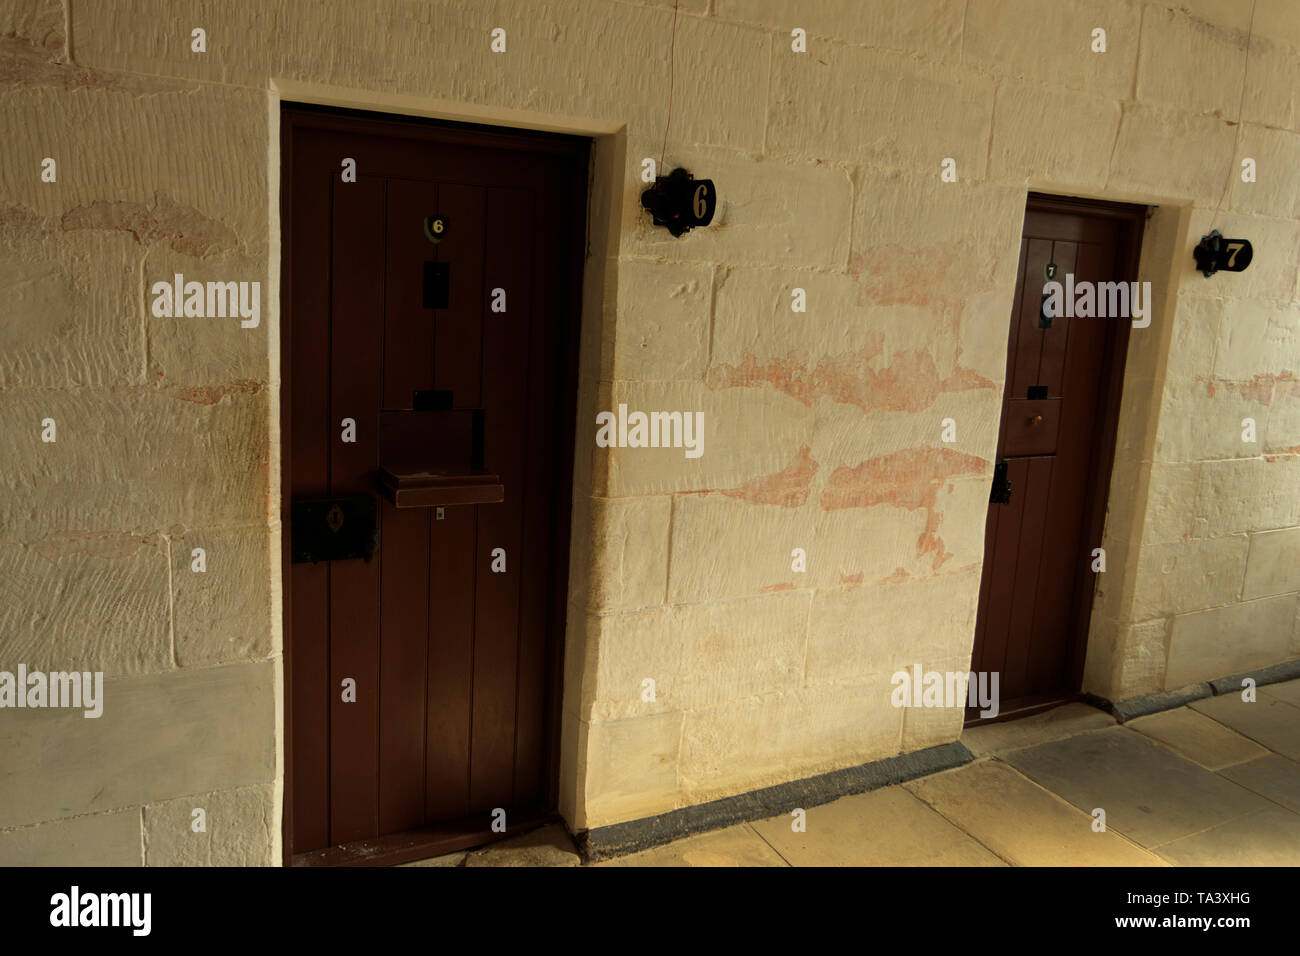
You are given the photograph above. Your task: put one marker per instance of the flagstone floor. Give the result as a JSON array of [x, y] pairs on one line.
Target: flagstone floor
[[1214, 783]]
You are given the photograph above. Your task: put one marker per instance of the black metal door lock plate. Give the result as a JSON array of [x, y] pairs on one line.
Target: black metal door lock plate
[[1001, 493], [334, 529], [437, 285]]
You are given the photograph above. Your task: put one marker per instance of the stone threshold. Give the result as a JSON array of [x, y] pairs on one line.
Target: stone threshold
[[619, 839], [1141, 706]]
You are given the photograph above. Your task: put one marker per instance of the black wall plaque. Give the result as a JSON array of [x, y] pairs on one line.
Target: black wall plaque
[[1217, 253]]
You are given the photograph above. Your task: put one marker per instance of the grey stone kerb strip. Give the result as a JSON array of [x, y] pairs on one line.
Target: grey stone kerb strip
[[1124, 710], [620, 838]]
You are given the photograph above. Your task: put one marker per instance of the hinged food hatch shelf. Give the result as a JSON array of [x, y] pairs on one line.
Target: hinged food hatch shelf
[[429, 486]]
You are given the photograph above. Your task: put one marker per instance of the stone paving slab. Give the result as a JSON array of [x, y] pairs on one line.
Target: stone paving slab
[[1150, 794], [1273, 777], [887, 827], [545, 846], [1021, 822], [1267, 720], [447, 859], [735, 846], [1287, 691], [1267, 838], [1198, 737], [984, 740]]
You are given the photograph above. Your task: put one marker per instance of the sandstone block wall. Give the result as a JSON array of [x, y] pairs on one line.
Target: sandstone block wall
[[822, 428]]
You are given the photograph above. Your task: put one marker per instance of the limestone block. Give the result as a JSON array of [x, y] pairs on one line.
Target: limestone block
[[239, 40], [221, 613], [1164, 152], [71, 309], [159, 736], [97, 839], [963, 506], [581, 649], [931, 28], [1277, 171], [1273, 78], [1273, 565], [848, 103], [684, 6], [758, 742], [630, 554], [1277, 19], [1187, 576], [753, 316], [632, 768], [1198, 325], [1059, 136], [724, 547], [1257, 338], [662, 330], [985, 327], [931, 726], [1140, 665], [741, 649], [897, 354], [86, 601], [1255, 494], [913, 429], [1282, 433], [633, 647], [923, 242], [748, 434], [1172, 71], [1170, 503], [1227, 640], [38, 22], [1221, 13], [189, 172], [1201, 420], [210, 356], [769, 210], [553, 62], [733, 544], [873, 545], [890, 627], [1023, 38], [133, 460], [241, 829]]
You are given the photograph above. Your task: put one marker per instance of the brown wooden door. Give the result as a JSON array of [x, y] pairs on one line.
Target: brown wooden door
[[1056, 444], [454, 358]]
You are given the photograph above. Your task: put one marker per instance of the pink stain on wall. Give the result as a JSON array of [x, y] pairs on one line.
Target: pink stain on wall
[[787, 488], [1260, 389], [211, 394], [909, 479], [909, 383]]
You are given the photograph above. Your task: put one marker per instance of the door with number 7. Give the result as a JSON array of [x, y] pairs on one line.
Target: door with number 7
[[1056, 447]]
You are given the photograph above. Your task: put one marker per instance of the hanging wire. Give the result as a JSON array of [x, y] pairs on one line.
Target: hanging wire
[[672, 77], [1241, 105]]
